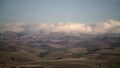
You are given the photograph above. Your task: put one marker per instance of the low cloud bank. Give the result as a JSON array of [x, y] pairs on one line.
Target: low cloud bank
[[110, 26]]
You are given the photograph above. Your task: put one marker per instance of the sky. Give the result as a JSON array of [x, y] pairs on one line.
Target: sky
[[35, 11]]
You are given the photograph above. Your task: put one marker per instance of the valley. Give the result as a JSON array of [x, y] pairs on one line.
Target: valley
[[63, 51]]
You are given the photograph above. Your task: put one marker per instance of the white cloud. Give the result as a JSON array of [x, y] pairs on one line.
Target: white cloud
[[105, 26], [111, 26]]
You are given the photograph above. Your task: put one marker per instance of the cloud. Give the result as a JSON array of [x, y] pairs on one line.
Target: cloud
[[73, 27], [16, 27], [105, 26], [110, 26]]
